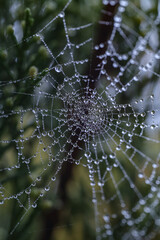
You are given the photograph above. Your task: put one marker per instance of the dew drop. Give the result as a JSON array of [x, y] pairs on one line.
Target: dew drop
[[140, 175], [152, 126], [147, 210], [47, 188], [117, 19], [62, 14], [104, 157], [100, 184], [152, 96], [106, 218], [142, 202], [66, 79], [115, 165], [101, 45], [44, 149], [157, 55], [152, 112], [105, 2], [34, 205], [53, 179], [109, 232], [39, 178], [28, 191], [128, 146], [124, 3], [153, 189], [118, 148], [130, 223], [154, 165], [94, 200], [92, 184], [87, 154], [1, 202], [103, 71], [58, 68], [96, 47], [112, 155]]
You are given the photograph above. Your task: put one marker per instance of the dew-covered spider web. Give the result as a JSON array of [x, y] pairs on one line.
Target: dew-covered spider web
[[95, 103]]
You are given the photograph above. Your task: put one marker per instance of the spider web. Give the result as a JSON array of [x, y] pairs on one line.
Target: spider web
[[116, 135]]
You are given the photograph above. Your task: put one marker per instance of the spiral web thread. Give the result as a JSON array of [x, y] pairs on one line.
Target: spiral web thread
[[121, 141]]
